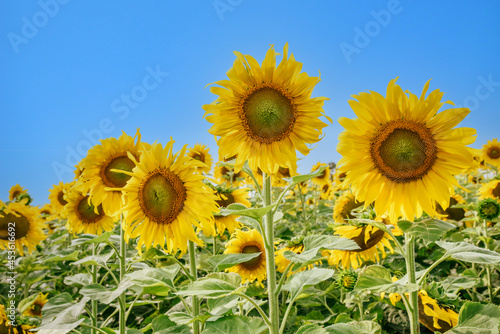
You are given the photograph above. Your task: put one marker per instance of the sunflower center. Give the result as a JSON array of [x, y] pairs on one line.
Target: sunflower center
[[268, 113], [162, 196], [60, 198], [284, 171], [253, 263], [496, 191], [37, 309], [199, 157], [86, 211], [452, 213], [225, 199], [374, 239], [347, 212], [403, 151], [116, 179], [21, 226], [494, 152]]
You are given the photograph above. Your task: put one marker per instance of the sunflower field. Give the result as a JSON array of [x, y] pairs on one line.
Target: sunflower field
[[401, 235]]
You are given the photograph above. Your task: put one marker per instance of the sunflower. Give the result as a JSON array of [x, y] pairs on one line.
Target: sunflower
[[326, 191], [451, 213], [99, 177], [17, 191], [47, 215], [165, 198], [323, 178], [84, 216], [265, 113], [433, 316], [200, 152], [247, 242], [370, 240], [225, 197], [277, 180], [57, 197], [28, 228], [490, 190], [35, 309], [227, 175], [491, 153], [282, 262], [475, 179], [344, 207], [400, 149], [338, 179]]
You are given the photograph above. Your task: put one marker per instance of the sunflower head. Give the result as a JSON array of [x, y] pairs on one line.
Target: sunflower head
[[490, 190], [344, 207], [491, 153], [57, 197], [248, 242], [200, 152], [263, 114], [324, 177], [36, 306], [347, 279], [18, 193], [224, 198], [401, 150], [434, 316], [452, 213], [488, 209], [165, 198]]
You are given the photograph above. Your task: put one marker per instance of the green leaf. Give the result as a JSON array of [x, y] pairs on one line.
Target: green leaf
[[105, 296], [477, 318], [220, 306], [182, 318], [301, 178], [304, 279], [208, 288], [361, 327], [78, 279], [311, 329], [464, 251], [131, 331], [163, 325], [429, 230], [314, 243], [378, 279], [236, 324], [224, 261], [68, 257], [156, 281], [241, 210], [99, 239], [250, 222], [61, 314], [97, 260], [26, 302], [231, 278]]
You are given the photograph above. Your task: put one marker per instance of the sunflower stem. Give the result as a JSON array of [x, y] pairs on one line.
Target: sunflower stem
[[94, 301], [122, 301], [271, 267], [194, 274], [410, 271], [361, 311], [488, 269]]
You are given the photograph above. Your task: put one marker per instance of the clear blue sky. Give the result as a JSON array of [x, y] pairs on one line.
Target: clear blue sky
[[71, 68]]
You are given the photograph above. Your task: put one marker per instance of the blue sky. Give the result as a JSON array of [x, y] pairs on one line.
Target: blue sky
[[73, 71]]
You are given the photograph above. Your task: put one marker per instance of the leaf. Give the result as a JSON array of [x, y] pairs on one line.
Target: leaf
[[61, 314], [236, 324], [208, 288], [99, 239], [105, 296], [156, 281], [361, 327], [301, 178], [163, 325], [314, 243], [78, 279], [250, 222], [464, 251], [378, 279], [222, 305], [477, 318], [224, 261], [57, 258], [241, 210], [304, 279], [97, 260], [232, 278], [429, 230], [311, 329], [182, 318]]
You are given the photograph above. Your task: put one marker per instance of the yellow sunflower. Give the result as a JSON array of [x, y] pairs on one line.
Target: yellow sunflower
[[370, 239], [16, 191], [84, 217], [324, 178], [47, 215], [200, 152], [327, 191], [338, 180], [401, 150], [491, 153], [344, 206], [165, 197], [450, 213], [282, 262], [265, 113], [434, 316], [35, 309], [98, 178], [248, 242], [28, 229], [475, 179], [490, 190], [227, 175], [225, 197], [57, 197]]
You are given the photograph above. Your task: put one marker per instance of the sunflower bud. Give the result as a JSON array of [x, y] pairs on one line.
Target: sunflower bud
[[488, 209]]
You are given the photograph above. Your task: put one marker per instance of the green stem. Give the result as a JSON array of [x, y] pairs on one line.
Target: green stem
[[94, 328], [94, 301], [410, 271], [283, 277], [121, 299], [361, 311], [434, 265], [271, 267], [215, 244], [488, 269], [194, 274], [257, 307]]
